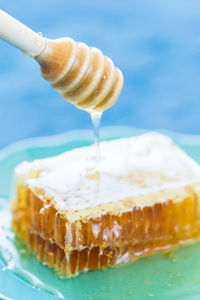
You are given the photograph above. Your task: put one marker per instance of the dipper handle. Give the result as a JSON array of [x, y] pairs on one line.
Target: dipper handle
[[20, 36]]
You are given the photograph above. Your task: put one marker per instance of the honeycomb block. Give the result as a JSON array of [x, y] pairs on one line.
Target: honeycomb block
[[70, 230]]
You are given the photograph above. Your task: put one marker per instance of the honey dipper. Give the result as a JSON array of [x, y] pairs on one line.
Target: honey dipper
[[81, 74]]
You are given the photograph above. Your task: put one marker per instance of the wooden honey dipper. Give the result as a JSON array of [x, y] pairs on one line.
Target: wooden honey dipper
[[81, 74]]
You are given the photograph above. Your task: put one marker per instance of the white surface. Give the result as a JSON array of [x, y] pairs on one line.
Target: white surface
[[128, 167]]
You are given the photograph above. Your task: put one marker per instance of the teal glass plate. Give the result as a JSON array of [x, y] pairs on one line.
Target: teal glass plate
[[172, 275]]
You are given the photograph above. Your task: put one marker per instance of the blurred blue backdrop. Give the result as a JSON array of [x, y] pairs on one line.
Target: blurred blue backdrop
[[155, 43]]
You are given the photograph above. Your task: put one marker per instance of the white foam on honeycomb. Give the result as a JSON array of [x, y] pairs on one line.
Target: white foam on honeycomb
[[128, 167]]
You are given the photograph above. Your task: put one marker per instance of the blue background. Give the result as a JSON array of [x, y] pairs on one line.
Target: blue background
[[155, 43]]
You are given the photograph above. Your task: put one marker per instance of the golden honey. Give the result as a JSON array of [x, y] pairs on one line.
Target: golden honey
[[104, 240]]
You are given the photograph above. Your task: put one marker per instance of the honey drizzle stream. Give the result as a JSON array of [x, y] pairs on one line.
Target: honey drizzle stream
[[96, 120]]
